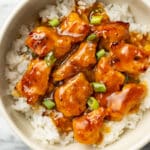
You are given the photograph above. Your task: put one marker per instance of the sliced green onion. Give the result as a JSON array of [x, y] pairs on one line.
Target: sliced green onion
[[93, 103], [96, 20], [100, 53], [92, 37], [54, 22], [50, 59], [48, 103], [99, 87]]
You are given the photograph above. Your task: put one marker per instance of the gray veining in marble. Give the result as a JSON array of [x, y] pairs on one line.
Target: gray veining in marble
[[8, 139]]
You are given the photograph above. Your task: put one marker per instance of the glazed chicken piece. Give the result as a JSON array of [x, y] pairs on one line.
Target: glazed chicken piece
[[104, 73], [112, 33], [121, 103], [35, 81], [71, 97], [75, 27], [130, 59], [42, 40], [87, 127], [84, 57], [63, 124]]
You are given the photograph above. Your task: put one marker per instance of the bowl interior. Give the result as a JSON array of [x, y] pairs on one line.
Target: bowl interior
[[25, 14]]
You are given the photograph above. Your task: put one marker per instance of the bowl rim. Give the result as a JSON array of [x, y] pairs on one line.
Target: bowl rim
[[3, 111]]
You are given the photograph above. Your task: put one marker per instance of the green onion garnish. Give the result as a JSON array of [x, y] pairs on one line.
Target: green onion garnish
[[100, 53], [93, 103], [48, 103], [99, 87], [50, 59], [96, 20], [54, 22], [92, 37]]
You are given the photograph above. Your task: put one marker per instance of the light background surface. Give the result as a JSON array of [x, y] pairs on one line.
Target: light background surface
[[8, 139]]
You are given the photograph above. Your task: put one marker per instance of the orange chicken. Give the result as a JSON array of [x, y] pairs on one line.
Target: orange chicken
[[104, 73], [122, 102], [87, 127], [42, 40], [112, 33], [84, 57], [35, 81], [72, 96], [75, 27], [128, 58]]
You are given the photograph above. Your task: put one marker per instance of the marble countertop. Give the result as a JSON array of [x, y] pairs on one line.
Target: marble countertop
[[8, 139]]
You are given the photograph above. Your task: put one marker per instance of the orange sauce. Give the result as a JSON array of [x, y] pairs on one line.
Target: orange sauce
[[105, 128]]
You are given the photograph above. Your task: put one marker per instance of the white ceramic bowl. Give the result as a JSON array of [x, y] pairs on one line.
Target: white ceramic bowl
[[25, 13]]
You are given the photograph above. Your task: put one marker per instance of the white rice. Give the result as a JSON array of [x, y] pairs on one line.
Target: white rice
[[119, 13], [58, 10], [123, 13], [45, 130]]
